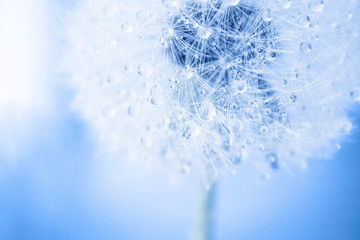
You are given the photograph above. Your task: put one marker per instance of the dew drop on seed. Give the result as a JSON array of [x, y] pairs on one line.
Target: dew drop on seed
[[304, 21], [185, 168], [271, 56], [127, 27], [267, 111], [231, 2], [236, 126], [346, 126], [285, 4], [132, 111], [267, 16], [128, 68], [355, 94], [317, 5], [284, 117], [207, 112], [305, 47], [145, 70], [272, 161], [204, 33], [263, 129], [235, 160], [240, 87]]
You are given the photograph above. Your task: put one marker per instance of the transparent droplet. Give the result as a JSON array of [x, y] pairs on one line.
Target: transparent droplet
[[305, 47], [240, 86], [202, 91], [272, 161], [185, 168], [285, 4], [128, 67], [190, 131], [163, 42], [267, 16], [154, 101], [234, 106], [316, 5], [304, 21], [283, 117], [145, 70], [207, 111], [263, 129], [267, 111], [107, 111], [232, 75], [204, 33], [235, 160], [133, 111], [231, 2], [127, 27], [346, 126], [236, 126], [355, 94], [271, 56]]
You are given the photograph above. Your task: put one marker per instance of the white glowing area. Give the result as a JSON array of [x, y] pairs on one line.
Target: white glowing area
[[22, 48]]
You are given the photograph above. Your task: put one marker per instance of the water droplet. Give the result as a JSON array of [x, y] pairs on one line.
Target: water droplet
[[267, 111], [285, 4], [271, 56], [316, 5], [190, 131], [283, 117], [127, 27], [305, 47], [185, 168], [240, 86], [267, 16], [236, 126], [355, 94], [231, 2], [107, 111], [128, 67], [234, 106], [207, 111], [346, 126], [133, 111], [272, 161], [154, 101], [235, 160], [145, 70], [304, 21], [293, 98], [263, 129], [204, 33]]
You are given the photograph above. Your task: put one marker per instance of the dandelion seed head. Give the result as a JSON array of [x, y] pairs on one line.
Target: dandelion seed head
[[212, 84]]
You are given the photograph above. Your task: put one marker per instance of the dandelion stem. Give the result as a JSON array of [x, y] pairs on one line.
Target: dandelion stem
[[206, 220]]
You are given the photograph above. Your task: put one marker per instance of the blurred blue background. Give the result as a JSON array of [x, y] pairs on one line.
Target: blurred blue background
[[52, 187]]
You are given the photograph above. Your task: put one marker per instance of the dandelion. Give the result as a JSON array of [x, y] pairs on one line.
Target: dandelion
[[212, 84]]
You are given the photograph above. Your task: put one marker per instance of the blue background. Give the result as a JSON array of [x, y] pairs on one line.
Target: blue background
[[53, 188]]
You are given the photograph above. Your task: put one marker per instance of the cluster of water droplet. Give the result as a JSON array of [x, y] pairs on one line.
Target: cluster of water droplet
[[224, 49], [218, 82]]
